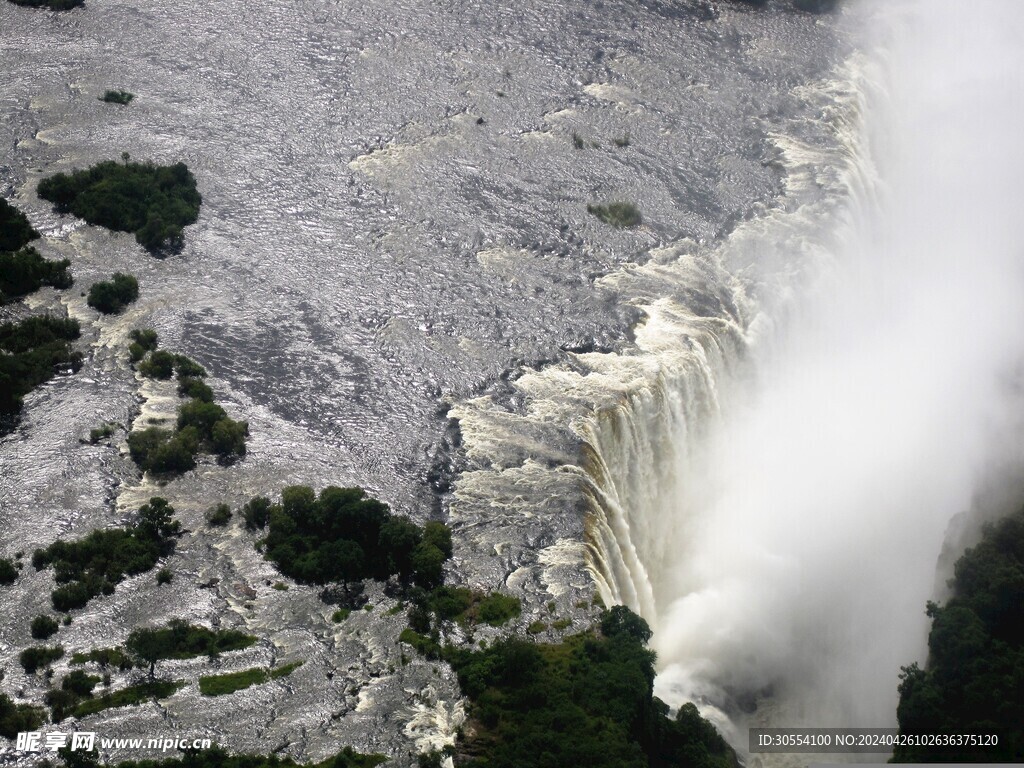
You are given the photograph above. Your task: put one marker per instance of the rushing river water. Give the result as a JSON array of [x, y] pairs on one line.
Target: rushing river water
[[395, 223]]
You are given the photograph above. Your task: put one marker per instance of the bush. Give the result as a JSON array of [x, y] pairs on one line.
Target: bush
[[112, 296], [618, 214], [16, 718], [186, 367], [39, 656], [154, 202], [164, 576], [195, 389], [154, 689], [26, 271], [219, 516], [105, 657], [159, 365], [101, 433], [8, 571], [117, 97], [256, 513], [44, 627]]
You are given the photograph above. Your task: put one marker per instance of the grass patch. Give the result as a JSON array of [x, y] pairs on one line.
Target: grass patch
[[562, 624], [619, 214], [536, 627], [136, 694], [221, 685], [340, 615]]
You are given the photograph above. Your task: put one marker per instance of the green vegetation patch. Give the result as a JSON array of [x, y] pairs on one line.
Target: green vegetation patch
[[181, 640], [15, 718], [76, 687], [617, 214], [105, 657], [143, 340], [15, 229], [94, 565], [111, 296], [31, 352], [8, 571], [101, 433], [201, 426], [117, 97], [155, 202], [343, 536], [26, 271], [220, 685], [974, 680], [526, 700], [468, 607], [44, 627], [136, 694], [39, 656]]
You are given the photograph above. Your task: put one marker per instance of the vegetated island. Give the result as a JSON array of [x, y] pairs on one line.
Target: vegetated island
[[155, 202], [22, 269], [53, 5], [973, 682], [32, 352], [202, 425], [110, 297]]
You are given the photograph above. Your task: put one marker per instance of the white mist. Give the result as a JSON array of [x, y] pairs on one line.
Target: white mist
[[819, 511]]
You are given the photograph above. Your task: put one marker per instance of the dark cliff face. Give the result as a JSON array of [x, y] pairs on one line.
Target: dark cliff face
[[395, 215]]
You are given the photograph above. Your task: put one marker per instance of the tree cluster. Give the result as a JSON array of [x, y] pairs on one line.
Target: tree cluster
[[96, 564], [15, 229], [974, 679], [586, 701], [202, 425], [32, 352], [155, 202], [111, 296], [343, 536], [25, 271], [181, 640]]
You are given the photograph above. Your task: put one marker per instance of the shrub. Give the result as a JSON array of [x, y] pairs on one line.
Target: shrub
[[16, 718], [164, 576], [618, 214], [227, 438], [153, 689], [159, 365], [8, 571], [117, 97], [219, 515], [39, 656], [186, 367], [101, 433], [195, 389], [112, 296], [104, 657], [154, 202], [256, 512], [43, 627]]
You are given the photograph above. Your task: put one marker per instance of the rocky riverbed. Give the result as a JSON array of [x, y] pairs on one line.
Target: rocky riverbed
[[395, 222]]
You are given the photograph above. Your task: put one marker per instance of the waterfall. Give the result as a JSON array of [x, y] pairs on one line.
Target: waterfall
[[768, 469]]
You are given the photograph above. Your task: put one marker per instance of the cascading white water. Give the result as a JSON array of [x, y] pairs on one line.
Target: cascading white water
[[769, 477], [786, 554]]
